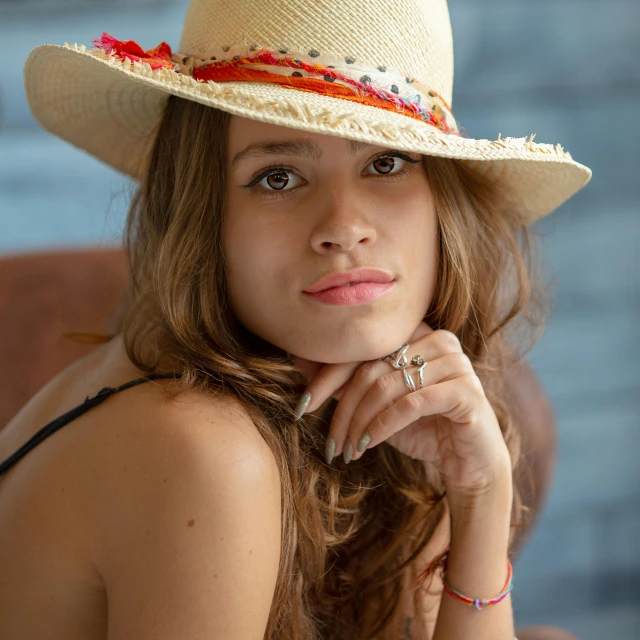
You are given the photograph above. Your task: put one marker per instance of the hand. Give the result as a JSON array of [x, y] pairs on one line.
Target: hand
[[449, 422]]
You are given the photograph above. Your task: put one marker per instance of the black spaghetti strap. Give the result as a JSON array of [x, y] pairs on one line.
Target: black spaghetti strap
[[72, 414]]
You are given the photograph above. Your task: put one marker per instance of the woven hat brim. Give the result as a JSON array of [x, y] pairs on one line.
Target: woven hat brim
[[111, 109]]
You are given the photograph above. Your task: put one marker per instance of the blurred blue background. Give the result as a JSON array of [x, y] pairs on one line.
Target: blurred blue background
[[567, 70]]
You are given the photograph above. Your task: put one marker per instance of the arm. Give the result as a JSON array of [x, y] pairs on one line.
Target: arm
[[477, 567], [191, 546], [538, 424]]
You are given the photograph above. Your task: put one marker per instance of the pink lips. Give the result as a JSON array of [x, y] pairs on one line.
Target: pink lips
[[355, 294], [351, 287]]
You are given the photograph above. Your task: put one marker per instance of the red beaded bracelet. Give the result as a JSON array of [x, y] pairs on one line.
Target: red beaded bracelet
[[478, 603]]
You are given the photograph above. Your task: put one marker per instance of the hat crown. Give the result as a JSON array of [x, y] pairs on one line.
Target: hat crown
[[410, 37]]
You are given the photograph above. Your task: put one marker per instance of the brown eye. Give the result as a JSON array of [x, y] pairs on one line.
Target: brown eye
[[385, 164], [277, 181], [274, 180]]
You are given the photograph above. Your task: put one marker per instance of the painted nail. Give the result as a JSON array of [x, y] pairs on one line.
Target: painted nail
[[347, 454], [365, 439], [303, 403], [329, 449]]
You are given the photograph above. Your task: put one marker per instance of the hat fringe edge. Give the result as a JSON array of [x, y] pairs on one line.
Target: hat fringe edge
[[324, 117]]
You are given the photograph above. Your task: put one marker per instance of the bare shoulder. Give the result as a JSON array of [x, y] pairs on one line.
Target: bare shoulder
[[144, 436], [188, 531], [156, 431]]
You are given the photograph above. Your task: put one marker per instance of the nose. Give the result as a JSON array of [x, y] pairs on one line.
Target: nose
[[342, 229]]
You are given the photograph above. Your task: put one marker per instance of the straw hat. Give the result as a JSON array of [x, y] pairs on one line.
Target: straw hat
[[370, 70]]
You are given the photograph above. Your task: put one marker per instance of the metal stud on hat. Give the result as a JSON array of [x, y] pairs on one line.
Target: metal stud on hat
[[377, 71]]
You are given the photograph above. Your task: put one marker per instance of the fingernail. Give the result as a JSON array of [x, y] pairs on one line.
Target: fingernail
[[303, 403], [348, 452], [365, 439], [329, 449]]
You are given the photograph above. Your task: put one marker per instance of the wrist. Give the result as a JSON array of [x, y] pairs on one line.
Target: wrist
[[490, 503]]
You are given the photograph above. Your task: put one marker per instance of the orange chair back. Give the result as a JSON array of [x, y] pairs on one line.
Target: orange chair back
[[42, 296]]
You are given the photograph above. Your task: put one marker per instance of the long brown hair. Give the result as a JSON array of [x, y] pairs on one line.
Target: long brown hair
[[351, 533]]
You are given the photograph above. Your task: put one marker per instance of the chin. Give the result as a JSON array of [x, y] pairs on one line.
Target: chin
[[349, 339], [355, 350]]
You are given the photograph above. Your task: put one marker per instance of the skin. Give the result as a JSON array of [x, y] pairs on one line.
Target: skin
[[137, 519], [75, 490], [340, 212], [333, 212], [329, 213]]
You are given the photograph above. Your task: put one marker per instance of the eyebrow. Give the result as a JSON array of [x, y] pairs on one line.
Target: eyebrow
[[297, 147]]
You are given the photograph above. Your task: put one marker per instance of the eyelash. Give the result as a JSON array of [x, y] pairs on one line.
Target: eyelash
[[253, 184]]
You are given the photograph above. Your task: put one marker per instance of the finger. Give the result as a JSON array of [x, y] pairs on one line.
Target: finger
[[432, 343], [459, 400], [331, 379], [327, 382], [366, 375], [422, 330], [384, 393]]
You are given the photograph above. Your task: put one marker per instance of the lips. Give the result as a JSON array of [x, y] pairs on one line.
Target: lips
[[349, 278], [359, 293]]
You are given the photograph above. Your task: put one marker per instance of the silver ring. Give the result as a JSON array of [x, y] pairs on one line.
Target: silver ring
[[420, 373], [397, 359], [408, 380]]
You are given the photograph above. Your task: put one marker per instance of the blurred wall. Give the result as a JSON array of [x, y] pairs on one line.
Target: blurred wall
[[567, 70]]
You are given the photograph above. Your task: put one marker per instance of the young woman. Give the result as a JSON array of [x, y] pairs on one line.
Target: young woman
[[326, 282]]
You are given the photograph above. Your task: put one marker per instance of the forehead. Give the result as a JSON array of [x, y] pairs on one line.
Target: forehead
[[251, 139]]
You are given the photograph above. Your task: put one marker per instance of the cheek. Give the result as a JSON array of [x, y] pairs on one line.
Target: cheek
[[244, 238], [420, 236], [257, 254], [422, 256]]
